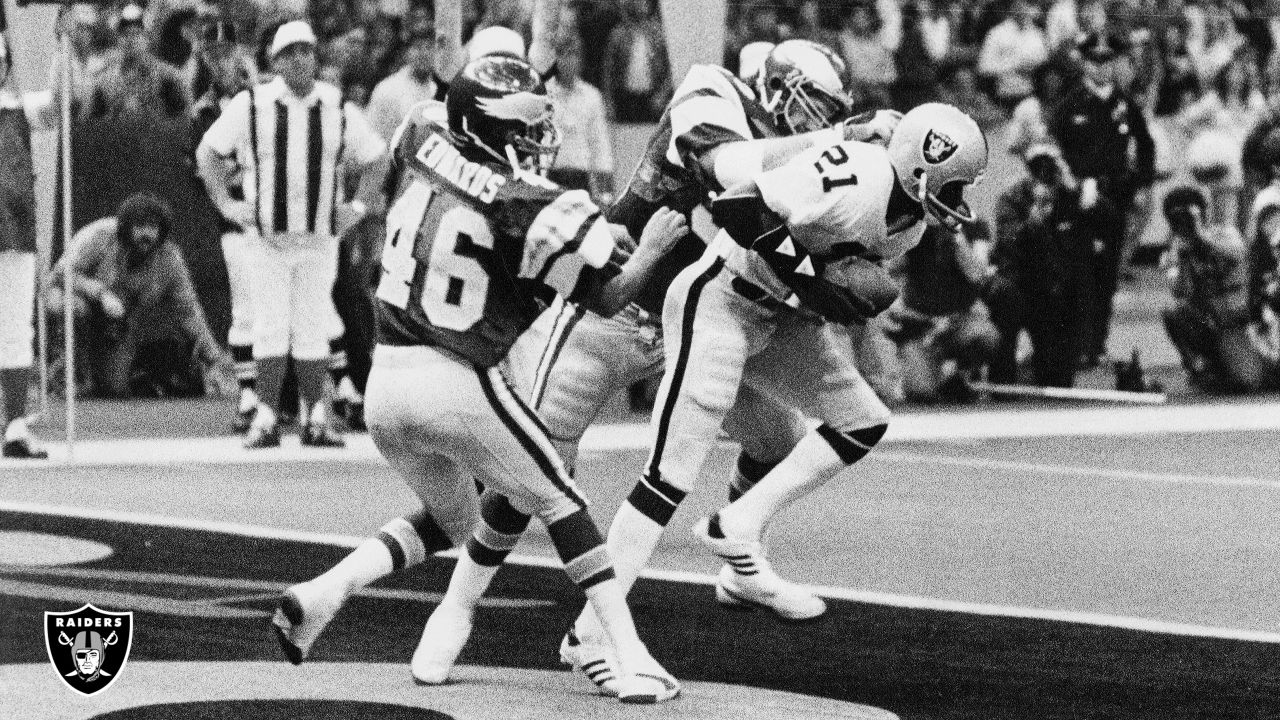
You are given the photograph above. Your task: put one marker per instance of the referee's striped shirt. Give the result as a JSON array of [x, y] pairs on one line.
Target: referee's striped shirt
[[291, 148]]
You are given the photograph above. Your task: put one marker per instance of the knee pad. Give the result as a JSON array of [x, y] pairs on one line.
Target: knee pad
[[852, 445]]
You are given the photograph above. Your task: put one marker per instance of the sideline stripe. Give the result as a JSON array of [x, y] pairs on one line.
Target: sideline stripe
[[612, 437], [1099, 473], [863, 596]]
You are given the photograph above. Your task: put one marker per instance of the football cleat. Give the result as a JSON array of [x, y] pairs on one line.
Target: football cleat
[[647, 683], [302, 614], [443, 638], [262, 436], [321, 436], [24, 449], [593, 660], [747, 581]]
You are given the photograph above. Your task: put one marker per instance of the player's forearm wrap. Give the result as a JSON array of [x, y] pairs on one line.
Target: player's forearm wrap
[[852, 445]]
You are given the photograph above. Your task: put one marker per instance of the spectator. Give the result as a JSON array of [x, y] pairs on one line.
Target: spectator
[[17, 264], [394, 96], [917, 62], [585, 160], [1029, 124], [870, 37], [960, 88], [1216, 126], [134, 80], [90, 39], [217, 70], [135, 307], [1208, 318], [346, 59], [1179, 86], [636, 75], [1104, 138], [1045, 237], [943, 331], [1011, 52], [1263, 232], [1212, 38]]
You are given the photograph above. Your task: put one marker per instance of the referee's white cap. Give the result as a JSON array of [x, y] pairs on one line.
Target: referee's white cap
[[292, 33], [495, 40]]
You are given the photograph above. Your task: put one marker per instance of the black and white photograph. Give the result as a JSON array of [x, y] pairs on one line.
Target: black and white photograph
[[680, 359]]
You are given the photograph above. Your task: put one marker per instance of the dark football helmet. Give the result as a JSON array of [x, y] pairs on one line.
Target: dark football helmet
[[801, 83], [499, 110]]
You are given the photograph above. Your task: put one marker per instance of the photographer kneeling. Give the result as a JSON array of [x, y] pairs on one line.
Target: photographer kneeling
[[1209, 320], [140, 328]]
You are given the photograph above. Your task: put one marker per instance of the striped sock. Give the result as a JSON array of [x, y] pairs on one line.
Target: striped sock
[[409, 540], [581, 549], [338, 359], [656, 499], [748, 472], [246, 371], [501, 525]]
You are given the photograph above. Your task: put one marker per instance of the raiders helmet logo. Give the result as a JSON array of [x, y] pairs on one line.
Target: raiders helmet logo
[[88, 647], [938, 147]]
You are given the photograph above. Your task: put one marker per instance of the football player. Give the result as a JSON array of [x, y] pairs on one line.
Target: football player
[[715, 133], [832, 214], [476, 241]]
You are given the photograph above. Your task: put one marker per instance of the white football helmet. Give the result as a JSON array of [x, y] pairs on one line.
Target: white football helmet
[[802, 83], [936, 151]]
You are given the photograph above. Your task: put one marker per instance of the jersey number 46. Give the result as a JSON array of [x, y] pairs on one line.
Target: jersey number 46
[[455, 286]]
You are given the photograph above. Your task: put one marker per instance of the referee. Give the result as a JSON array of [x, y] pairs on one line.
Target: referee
[[296, 138]]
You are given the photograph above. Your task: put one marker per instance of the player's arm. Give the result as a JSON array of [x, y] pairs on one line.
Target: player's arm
[[605, 293], [570, 248], [840, 286], [215, 159], [736, 162]]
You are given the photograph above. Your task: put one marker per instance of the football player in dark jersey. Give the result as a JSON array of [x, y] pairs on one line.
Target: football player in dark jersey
[[477, 243]]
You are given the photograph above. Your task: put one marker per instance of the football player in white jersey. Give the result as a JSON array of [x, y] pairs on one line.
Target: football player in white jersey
[[715, 133], [798, 257]]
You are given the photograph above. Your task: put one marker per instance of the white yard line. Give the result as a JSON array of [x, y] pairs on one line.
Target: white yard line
[[843, 593], [917, 427]]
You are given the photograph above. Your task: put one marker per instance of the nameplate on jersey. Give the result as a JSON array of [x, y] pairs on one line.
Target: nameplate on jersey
[[440, 157]]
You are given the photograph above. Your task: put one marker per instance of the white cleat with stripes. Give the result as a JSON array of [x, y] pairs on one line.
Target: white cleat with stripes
[[747, 581], [593, 660], [443, 638]]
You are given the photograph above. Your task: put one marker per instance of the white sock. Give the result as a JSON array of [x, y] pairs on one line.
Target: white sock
[[610, 604], [370, 561], [633, 538], [16, 430], [807, 468], [469, 582], [248, 400], [265, 416]]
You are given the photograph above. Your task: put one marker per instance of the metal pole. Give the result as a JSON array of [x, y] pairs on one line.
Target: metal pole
[[68, 249]]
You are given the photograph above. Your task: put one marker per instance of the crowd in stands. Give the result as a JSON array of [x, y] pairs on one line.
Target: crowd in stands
[[1103, 100]]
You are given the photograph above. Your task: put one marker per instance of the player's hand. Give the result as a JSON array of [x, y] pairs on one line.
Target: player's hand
[[112, 305], [218, 376], [878, 128], [349, 214], [869, 284], [662, 232], [240, 213]]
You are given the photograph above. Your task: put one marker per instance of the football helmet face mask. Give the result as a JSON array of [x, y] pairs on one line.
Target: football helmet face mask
[[801, 83], [498, 107], [936, 152]]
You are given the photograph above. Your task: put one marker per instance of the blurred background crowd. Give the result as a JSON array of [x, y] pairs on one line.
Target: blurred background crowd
[[1101, 105]]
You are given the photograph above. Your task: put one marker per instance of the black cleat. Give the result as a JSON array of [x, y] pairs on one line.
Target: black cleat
[[23, 449]]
